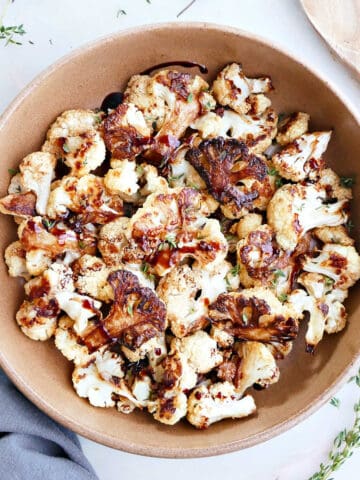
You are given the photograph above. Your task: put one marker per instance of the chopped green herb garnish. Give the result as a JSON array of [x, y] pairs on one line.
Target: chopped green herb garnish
[[139, 170], [13, 171], [48, 223], [335, 402], [279, 182], [173, 178], [245, 319], [130, 309], [81, 244], [235, 270], [145, 270], [154, 125], [272, 171], [283, 297], [192, 185], [230, 237], [171, 240], [190, 98], [329, 282], [66, 148], [9, 34], [350, 225], [347, 182], [277, 275], [120, 12]]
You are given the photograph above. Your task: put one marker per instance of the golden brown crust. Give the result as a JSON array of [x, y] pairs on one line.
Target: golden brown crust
[[21, 205]]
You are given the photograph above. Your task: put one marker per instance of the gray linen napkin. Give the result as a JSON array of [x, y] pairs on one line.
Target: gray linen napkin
[[34, 447]]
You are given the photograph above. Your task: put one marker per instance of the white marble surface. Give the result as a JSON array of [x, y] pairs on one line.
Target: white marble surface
[[58, 27]]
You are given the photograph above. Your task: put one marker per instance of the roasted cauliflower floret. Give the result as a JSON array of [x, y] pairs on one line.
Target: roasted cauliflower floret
[[210, 404], [262, 262], [79, 308], [254, 314], [91, 275], [133, 182], [337, 234], [331, 182], [69, 343], [232, 88], [136, 316], [187, 292], [38, 318], [338, 262], [170, 103], [169, 408], [292, 127], [172, 226], [323, 302], [238, 180], [75, 137], [256, 131], [20, 205], [15, 258], [248, 224], [295, 209], [182, 173], [125, 132], [302, 158], [257, 366], [112, 240], [87, 196]]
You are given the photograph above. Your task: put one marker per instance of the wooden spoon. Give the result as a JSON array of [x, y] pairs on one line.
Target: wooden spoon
[[338, 22]]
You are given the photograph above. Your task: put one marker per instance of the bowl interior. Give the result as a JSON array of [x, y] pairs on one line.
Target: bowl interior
[[82, 80]]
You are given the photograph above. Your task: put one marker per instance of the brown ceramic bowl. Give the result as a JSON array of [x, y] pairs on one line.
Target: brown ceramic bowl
[[82, 79]]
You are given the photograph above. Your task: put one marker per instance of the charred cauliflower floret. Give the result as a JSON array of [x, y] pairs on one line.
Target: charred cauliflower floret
[[136, 315], [79, 308], [257, 366], [210, 404], [187, 292], [75, 137], [338, 262], [337, 234], [29, 191], [232, 88], [125, 132], [296, 209], [262, 262], [238, 180], [170, 103], [169, 408], [256, 131], [331, 182], [323, 302], [38, 318], [86, 196], [254, 314], [302, 158], [292, 127], [182, 173], [172, 226], [15, 258]]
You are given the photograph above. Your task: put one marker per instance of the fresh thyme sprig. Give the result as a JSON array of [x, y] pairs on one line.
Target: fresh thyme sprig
[[10, 33], [344, 444]]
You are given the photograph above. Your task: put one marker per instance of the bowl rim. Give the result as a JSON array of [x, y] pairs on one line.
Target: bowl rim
[[116, 442]]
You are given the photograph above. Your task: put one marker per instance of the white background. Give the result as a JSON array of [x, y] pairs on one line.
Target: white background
[[57, 27]]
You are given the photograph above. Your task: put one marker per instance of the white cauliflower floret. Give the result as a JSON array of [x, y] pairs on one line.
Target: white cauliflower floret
[[200, 350], [154, 348], [79, 308], [296, 209], [75, 137], [232, 88], [112, 240], [91, 275], [332, 183], [210, 404], [169, 408], [257, 131], [292, 127], [257, 366], [141, 388], [15, 260], [182, 173], [324, 305], [248, 224], [222, 338], [302, 158], [187, 293], [338, 262], [337, 234], [57, 278], [68, 342], [38, 318], [37, 172], [37, 261]]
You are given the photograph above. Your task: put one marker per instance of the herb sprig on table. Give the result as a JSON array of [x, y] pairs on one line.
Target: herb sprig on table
[[344, 443], [10, 34]]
